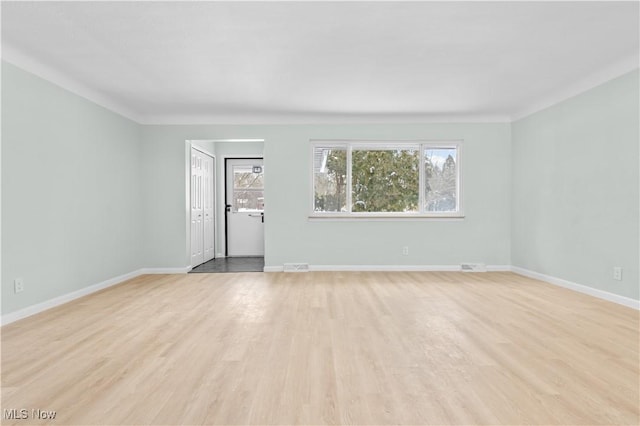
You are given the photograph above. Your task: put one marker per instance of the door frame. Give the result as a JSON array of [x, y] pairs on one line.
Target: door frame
[[187, 199], [226, 199], [215, 200], [187, 191]]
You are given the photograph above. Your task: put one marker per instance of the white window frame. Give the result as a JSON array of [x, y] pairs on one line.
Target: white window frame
[[421, 146]]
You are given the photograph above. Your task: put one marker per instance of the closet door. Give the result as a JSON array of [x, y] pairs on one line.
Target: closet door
[[197, 209], [208, 207]]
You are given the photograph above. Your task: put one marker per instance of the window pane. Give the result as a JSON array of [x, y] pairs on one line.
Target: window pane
[[441, 179], [385, 180], [248, 189], [329, 179]]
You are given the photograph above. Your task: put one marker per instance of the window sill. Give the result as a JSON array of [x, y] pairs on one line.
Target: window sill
[[385, 217]]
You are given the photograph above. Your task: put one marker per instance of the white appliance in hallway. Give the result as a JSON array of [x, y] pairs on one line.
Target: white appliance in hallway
[[202, 207], [245, 206]]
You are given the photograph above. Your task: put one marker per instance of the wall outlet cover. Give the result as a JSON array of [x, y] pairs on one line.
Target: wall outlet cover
[[617, 273], [18, 285]]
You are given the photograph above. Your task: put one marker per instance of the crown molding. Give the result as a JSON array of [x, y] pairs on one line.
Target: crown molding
[[32, 65], [28, 63], [280, 119], [595, 79]]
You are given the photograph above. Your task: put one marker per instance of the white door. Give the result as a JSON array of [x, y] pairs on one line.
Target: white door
[[197, 225], [245, 207], [202, 200], [208, 172]]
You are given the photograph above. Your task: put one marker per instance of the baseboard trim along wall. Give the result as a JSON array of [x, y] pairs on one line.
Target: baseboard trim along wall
[[388, 268], [152, 271], [65, 298], [600, 294]]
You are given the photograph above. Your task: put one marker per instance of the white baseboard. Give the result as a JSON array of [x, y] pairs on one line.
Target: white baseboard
[[56, 301], [60, 300], [180, 270], [498, 268], [65, 298], [273, 269], [388, 268], [600, 294], [385, 268]]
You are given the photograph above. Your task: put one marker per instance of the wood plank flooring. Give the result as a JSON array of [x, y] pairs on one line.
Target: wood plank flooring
[[327, 348]]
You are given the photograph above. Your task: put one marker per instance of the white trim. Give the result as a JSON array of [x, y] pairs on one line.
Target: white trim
[[364, 268], [223, 197], [387, 144], [284, 119], [228, 140], [388, 268], [65, 298], [28, 63], [188, 146], [202, 150], [348, 187], [375, 217], [498, 268], [178, 270], [602, 76], [189, 152], [600, 294], [33, 66]]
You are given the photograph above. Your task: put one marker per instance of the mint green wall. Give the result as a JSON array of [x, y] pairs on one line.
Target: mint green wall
[[575, 188], [70, 191], [88, 195], [164, 174], [483, 236]]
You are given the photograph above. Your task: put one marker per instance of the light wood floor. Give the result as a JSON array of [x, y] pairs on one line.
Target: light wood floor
[[327, 348]]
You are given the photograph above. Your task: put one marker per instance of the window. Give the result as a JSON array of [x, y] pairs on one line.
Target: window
[[330, 178], [386, 179], [248, 189]]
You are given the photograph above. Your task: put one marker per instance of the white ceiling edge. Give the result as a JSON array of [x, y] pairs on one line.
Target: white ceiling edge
[[617, 69], [283, 119], [32, 65], [26, 62]]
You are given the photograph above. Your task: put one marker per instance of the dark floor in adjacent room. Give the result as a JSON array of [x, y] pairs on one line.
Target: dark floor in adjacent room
[[231, 264]]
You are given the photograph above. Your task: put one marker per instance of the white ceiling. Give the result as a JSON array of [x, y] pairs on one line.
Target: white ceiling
[[235, 62]]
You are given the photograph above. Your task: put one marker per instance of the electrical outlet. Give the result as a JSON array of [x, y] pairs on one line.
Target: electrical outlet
[[18, 285], [405, 250], [617, 273]]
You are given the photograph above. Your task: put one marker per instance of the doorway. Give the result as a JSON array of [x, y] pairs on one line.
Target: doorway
[[202, 203], [244, 207], [231, 264]]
